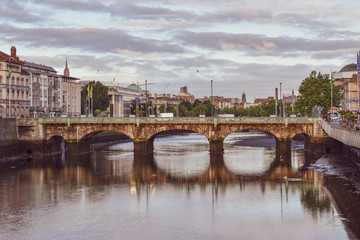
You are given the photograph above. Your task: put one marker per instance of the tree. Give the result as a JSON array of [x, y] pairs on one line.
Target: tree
[[315, 90], [101, 98]]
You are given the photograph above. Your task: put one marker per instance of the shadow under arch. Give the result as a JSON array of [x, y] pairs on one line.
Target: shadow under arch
[[55, 144], [101, 138]]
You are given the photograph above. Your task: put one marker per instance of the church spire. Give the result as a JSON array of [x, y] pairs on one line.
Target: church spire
[[66, 70]]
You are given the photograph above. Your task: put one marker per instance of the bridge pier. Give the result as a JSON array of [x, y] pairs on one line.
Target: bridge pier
[[283, 149], [216, 146], [143, 146]]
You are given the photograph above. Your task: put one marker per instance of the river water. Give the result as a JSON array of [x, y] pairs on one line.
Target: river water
[[181, 192]]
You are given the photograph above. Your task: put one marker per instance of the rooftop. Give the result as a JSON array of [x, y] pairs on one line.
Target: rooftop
[[349, 68]]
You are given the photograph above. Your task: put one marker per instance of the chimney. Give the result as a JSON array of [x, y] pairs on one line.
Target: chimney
[[13, 52]]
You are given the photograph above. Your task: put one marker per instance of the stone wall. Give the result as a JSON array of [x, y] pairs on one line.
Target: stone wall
[[8, 132], [347, 137]]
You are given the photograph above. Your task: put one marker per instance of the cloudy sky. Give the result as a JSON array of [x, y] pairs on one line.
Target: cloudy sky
[[243, 45]]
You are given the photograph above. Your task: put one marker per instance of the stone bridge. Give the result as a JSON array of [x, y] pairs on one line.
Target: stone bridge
[[77, 132]]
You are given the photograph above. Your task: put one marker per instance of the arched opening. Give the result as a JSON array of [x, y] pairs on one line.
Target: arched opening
[[298, 146], [55, 145], [110, 139], [109, 153], [181, 153], [249, 152]]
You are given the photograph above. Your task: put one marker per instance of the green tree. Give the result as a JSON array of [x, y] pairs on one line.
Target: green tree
[[315, 90], [170, 109], [101, 98]]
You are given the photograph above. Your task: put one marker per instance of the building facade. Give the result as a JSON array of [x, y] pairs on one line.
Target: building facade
[[347, 78], [45, 90], [120, 101], [14, 90]]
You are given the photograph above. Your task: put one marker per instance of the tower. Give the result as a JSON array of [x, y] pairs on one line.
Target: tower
[[66, 70], [243, 97]]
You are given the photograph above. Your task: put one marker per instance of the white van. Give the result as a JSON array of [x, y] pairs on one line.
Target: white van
[[226, 115], [166, 115]]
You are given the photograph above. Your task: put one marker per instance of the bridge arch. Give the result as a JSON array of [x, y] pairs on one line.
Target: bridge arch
[[176, 131]]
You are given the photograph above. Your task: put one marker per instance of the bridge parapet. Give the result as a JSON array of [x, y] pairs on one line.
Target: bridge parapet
[[177, 120]]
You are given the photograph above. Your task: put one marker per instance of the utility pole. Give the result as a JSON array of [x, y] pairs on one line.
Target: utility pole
[[146, 104], [276, 99], [211, 99], [280, 100]]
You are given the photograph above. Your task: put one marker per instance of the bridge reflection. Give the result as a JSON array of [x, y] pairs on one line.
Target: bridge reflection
[[144, 169]]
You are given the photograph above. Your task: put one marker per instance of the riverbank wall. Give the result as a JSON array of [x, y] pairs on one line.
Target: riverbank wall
[[347, 200]]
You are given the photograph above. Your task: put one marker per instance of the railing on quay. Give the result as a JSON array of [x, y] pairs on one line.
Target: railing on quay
[[164, 120]]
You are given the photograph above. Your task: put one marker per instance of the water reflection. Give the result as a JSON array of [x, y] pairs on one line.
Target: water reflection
[[183, 192]]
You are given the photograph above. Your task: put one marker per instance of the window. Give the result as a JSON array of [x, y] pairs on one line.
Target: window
[[45, 93]]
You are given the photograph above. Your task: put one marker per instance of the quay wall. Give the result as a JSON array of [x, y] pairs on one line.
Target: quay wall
[[8, 131], [347, 137]]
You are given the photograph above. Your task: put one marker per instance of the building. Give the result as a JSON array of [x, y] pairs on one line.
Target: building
[[45, 90], [121, 99], [14, 86], [184, 95], [261, 101], [347, 78], [71, 94]]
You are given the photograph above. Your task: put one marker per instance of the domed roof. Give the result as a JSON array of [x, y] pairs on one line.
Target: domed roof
[[136, 87], [349, 68]]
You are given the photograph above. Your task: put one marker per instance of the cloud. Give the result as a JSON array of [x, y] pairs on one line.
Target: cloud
[[89, 39], [17, 12], [255, 44]]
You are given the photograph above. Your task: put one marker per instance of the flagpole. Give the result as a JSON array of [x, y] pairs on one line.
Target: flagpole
[[292, 103]]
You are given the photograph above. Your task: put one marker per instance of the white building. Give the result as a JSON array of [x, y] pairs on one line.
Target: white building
[[45, 90]]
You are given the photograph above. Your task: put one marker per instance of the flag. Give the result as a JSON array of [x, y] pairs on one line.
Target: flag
[[88, 90], [165, 106], [10, 68], [358, 63], [283, 99], [91, 91], [114, 80], [137, 101], [293, 96]]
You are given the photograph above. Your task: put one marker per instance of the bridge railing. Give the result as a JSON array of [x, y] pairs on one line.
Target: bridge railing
[[176, 120]]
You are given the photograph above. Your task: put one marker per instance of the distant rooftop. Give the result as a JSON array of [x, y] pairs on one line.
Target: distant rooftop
[[39, 66], [349, 68]]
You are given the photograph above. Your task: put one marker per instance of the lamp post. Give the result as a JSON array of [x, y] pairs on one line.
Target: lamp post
[[358, 73]]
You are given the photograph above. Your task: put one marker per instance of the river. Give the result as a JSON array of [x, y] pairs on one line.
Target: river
[[181, 192]]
